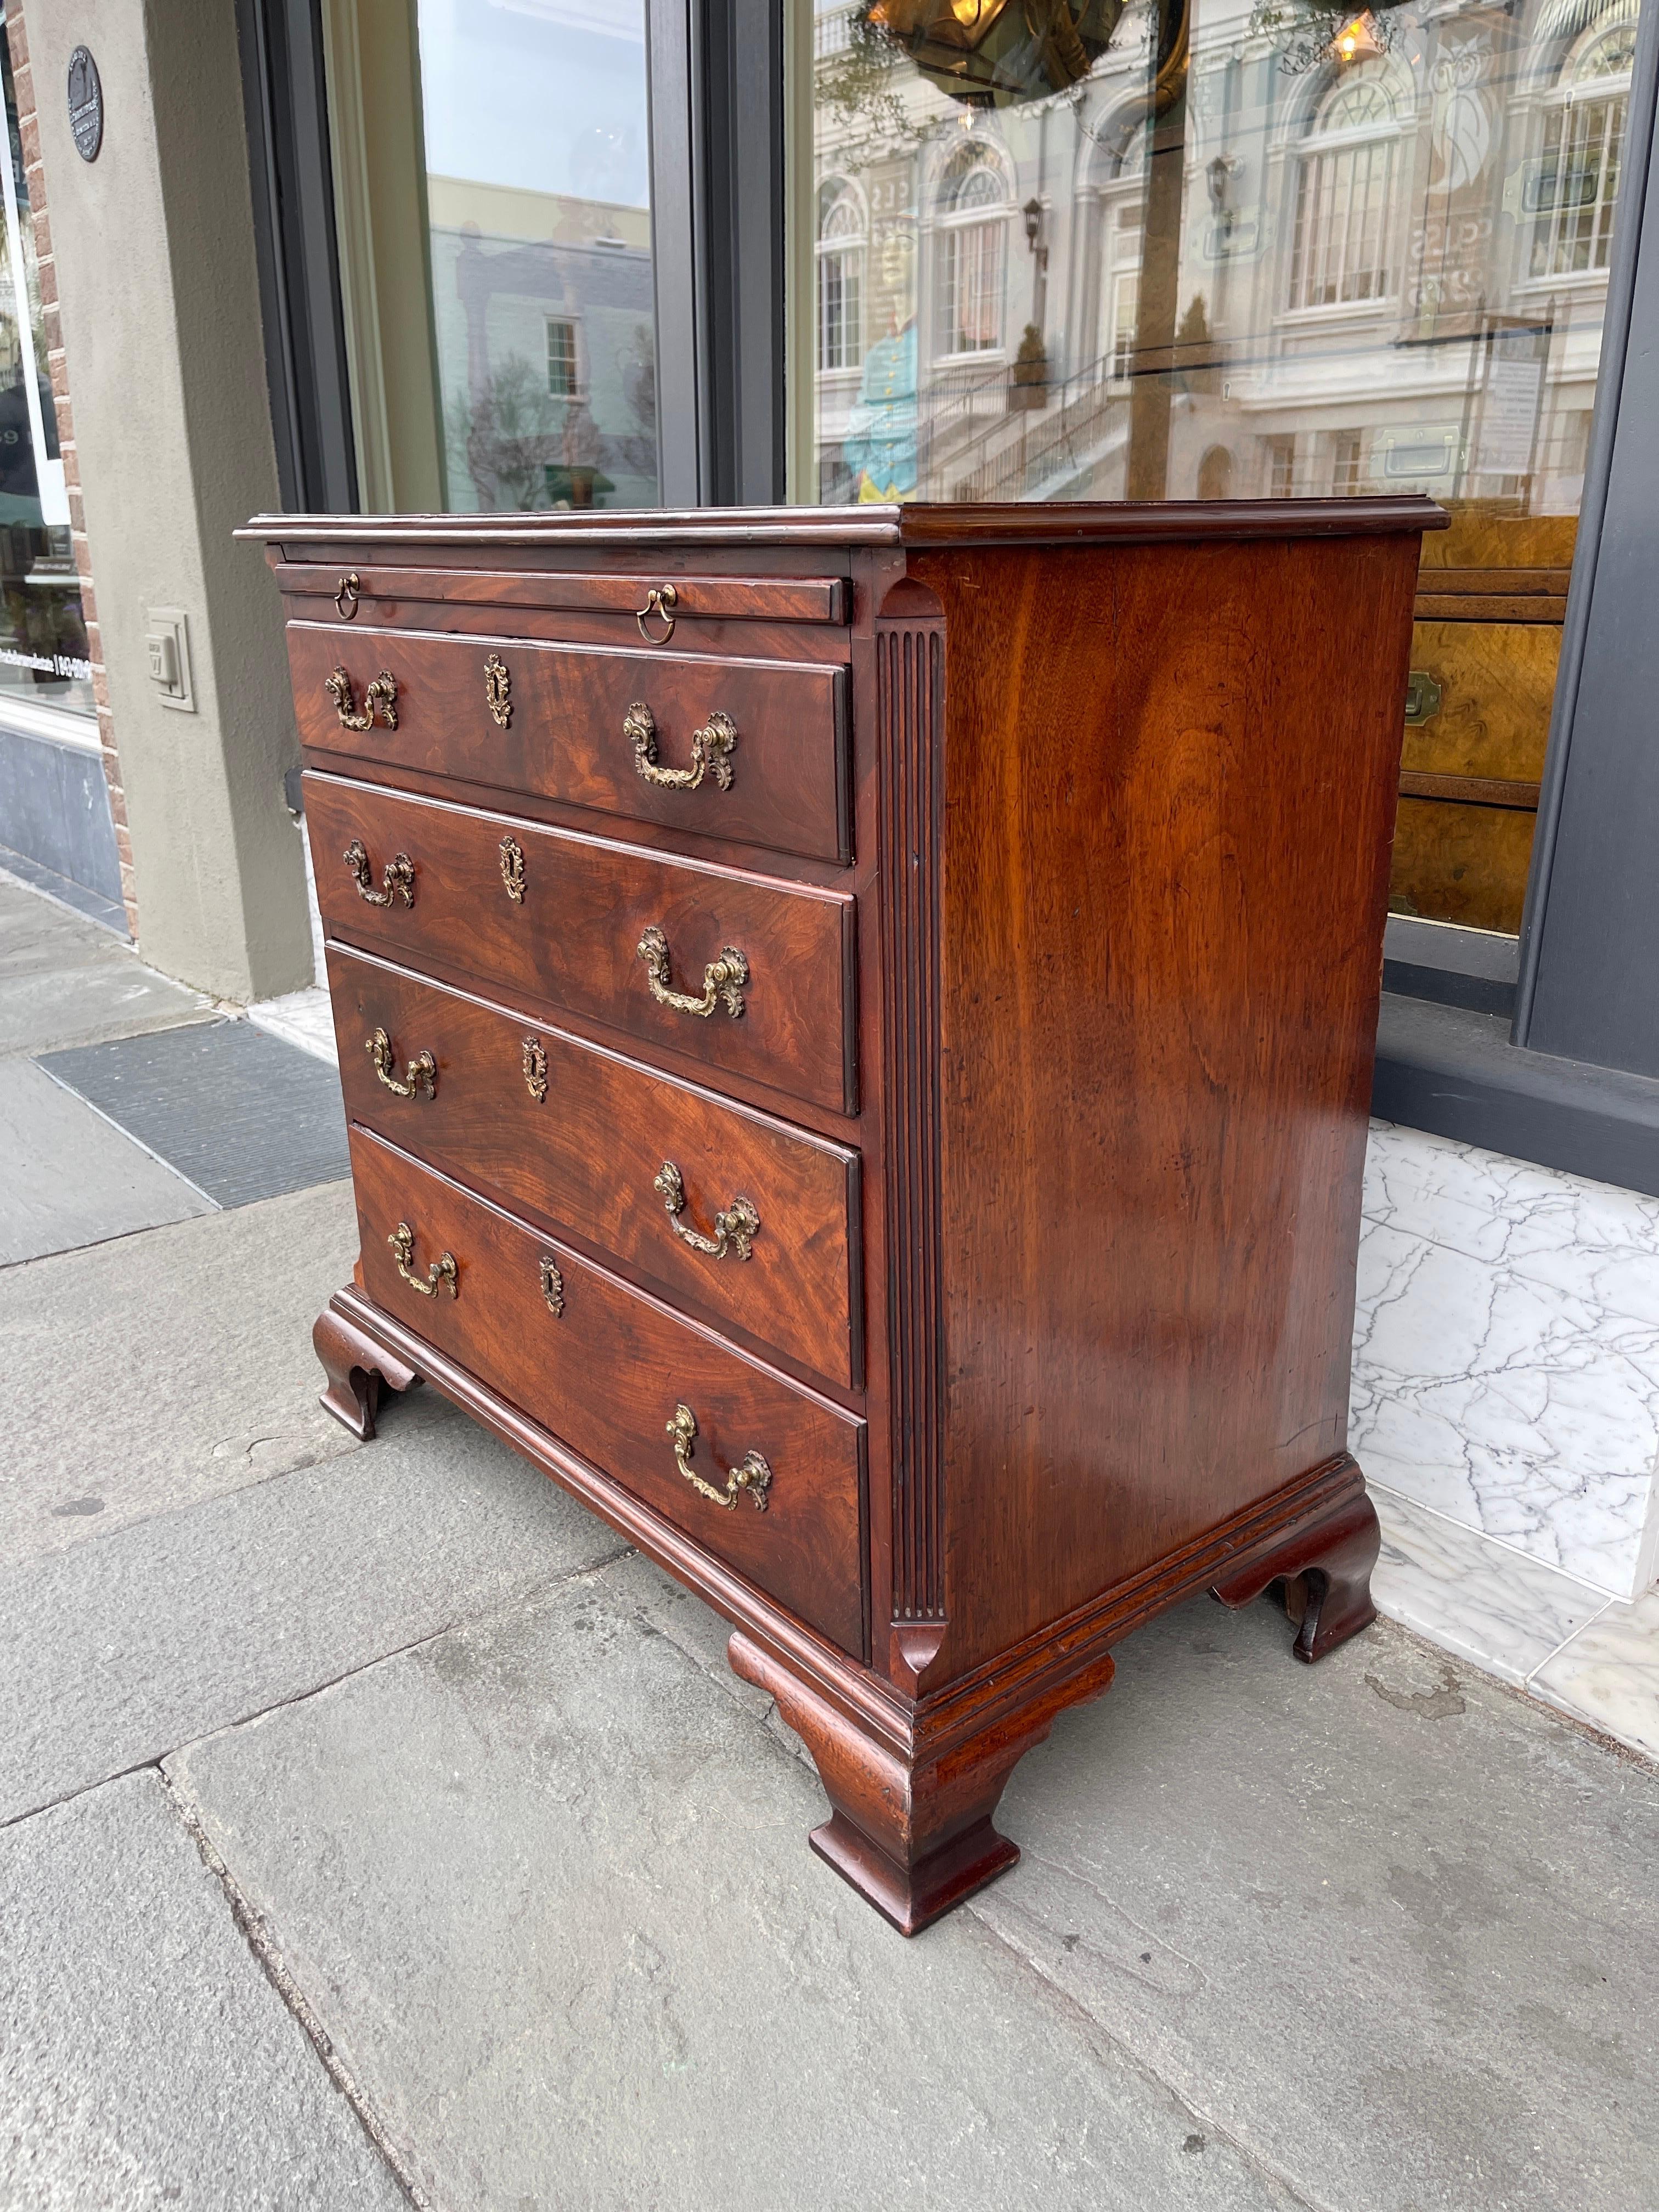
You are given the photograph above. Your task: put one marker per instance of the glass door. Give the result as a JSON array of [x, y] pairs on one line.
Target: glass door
[[1212, 249], [493, 201]]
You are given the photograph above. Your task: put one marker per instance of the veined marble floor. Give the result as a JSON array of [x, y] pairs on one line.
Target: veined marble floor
[[1590, 1655]]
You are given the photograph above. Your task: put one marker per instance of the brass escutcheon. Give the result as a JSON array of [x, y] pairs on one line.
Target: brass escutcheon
[[422, 1076], [722, 979], [512, 858], [533, 1061], [660, 600], [1423, 698], [735, 1228], [347, 595], [711, 751], [397, 878], [440, 1276], [751, 1473], [498, 692], [552, 1286], [381, 693]]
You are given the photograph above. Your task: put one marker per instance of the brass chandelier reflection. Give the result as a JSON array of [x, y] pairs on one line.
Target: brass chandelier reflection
[[997, 52]]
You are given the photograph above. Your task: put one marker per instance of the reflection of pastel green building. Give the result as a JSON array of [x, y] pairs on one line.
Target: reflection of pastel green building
[[542, 312]]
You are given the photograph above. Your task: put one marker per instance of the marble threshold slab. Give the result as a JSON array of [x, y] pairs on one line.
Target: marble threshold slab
[[1590, 1655]]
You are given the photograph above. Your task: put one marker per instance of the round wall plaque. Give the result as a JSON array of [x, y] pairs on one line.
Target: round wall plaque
[[86, 104]]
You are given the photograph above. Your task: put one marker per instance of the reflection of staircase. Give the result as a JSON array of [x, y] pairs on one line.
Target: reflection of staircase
[[1043, 455]]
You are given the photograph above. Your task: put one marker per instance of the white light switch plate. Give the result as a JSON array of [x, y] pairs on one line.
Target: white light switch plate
[[168, 641]]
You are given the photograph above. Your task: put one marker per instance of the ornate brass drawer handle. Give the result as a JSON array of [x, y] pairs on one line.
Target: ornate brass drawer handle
[[512, 860], [711, 751], [552, 1287], [347, 595], [381, 693], [397, 878], [422, 1075], [498, 692], [440, 1276], [532, 1059], [734, 1228], [751, 1473], [722, 979], [661, 602]]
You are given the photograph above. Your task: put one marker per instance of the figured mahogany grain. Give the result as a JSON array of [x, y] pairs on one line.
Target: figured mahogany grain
[[698, 600], [586, 1155], [564, 737], [606, 1375], [1163, 895], [573, 937]]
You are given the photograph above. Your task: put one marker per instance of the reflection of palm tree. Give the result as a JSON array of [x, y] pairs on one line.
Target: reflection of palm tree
[[511, 432]]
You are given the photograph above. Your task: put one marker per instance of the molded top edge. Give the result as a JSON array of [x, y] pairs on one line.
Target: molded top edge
[[1033, 523]]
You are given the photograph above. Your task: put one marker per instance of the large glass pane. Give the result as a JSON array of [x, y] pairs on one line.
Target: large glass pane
[[492, 185], [1071, 249], [43, 636]]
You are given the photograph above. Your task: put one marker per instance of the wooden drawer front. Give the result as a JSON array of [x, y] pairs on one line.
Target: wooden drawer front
[[383, 592], [572, 936], [781, 782], [606, 1375], [577, 1135]]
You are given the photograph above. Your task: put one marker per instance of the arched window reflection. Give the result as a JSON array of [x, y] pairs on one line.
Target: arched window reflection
[[841, 276], [1341, 248], [1578, 174], [972, 253]]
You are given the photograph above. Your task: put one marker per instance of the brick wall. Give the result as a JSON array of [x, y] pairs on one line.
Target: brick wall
[[29, 135]]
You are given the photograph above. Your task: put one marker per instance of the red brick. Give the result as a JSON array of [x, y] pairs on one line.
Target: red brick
[[28, 137], [18, 36], [88, 604], [22, 77], [42, 234], [77, 513], [51, 326], [71, 461], [100, 687], [46, 271], [124, 843]]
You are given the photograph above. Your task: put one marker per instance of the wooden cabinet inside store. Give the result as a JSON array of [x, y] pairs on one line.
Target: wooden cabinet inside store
[[1486, 642]]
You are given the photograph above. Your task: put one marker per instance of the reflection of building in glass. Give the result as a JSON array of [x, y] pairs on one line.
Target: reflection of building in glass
[[543, 317], [1391, 266]]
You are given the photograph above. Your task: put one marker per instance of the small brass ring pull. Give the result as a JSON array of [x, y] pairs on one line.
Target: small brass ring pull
[[498, 692], [734, 1229], [552, 1287], [533, 1061], [346, 596], [512, 858], [397, 878], [660, 600], [381, 694], [722, 979], [711, 751], [751, 1473], [440, 1276], [423, 1073]]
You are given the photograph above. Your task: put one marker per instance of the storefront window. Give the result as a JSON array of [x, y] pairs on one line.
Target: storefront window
[[492, 194], [43, 636], [1238, 248]]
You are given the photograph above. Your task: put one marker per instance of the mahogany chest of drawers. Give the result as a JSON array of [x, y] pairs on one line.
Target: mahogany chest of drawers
[[856, 1027]]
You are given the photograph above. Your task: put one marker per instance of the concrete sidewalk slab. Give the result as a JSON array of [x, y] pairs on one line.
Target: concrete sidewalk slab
[[64, 980], [145, 2058], [120, 1649], [548, 1889], [168, 1367], [69, 1179], [1381, 1918]]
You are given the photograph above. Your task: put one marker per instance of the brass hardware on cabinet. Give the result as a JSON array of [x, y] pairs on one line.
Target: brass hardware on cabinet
[[552, 1287], [397, 878], [735, 1228], [751, 1473], [381, 693], [511, 857], [721, 978], [440, 1276], [711, 751], [498, 692], [349, 590], [422, 1075], [1422, 697], [660, 600], [533, 1061]]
